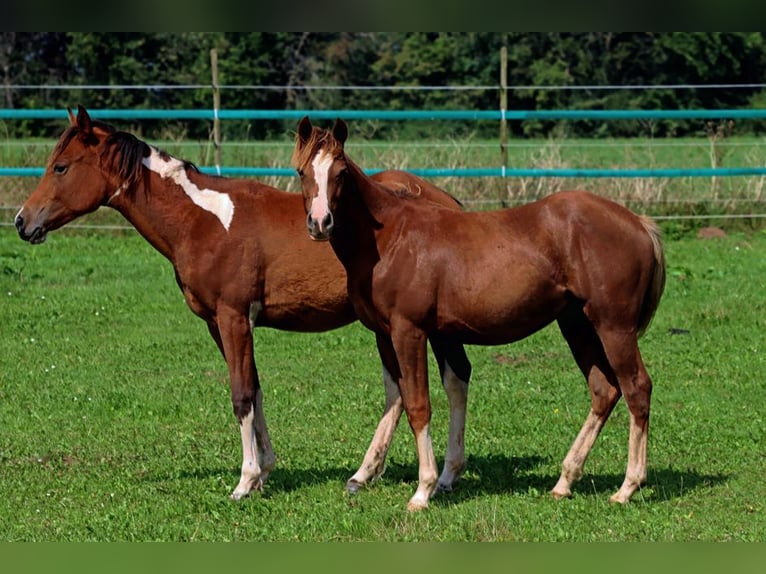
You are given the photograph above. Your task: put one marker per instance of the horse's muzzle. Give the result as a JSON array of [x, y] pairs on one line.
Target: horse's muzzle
[[320, 231], [37, 235]]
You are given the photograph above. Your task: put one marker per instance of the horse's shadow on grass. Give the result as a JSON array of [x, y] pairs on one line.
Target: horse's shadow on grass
[[500, 474], [486, 475]]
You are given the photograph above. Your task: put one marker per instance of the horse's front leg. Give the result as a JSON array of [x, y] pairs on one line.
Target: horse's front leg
[[374, 462], [409, 344], [236, 343]]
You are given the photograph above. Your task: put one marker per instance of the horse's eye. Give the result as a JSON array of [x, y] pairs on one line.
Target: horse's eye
[[59, 168], [300, 172]]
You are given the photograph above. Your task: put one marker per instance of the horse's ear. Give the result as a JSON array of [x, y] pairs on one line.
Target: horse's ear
[[304, 129], [85, 127], [83, 120], [340, 131], [72, 118]]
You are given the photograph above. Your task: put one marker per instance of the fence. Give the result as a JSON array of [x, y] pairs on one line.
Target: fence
[[501, 116], [501, 172]]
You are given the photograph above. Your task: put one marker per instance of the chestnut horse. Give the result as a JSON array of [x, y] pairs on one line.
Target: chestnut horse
[[241, 258], [418, 272]]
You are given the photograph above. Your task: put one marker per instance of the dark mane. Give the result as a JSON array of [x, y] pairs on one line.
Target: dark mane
[[122, 152]]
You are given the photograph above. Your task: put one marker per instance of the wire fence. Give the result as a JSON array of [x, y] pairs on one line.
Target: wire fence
[[518, 181], [414, 88]]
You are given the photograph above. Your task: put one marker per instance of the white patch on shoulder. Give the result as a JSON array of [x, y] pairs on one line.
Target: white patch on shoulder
[[217, 203]]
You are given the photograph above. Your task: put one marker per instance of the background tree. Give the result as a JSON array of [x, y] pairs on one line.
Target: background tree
[[294, 66]]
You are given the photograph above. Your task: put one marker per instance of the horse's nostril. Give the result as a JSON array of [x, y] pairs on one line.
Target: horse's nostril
[[327, 222]]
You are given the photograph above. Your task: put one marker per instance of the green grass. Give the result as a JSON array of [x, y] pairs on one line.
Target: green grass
[[117, 424]]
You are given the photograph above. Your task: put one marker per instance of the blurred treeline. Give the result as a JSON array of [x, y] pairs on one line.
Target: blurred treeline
[[288, 68]]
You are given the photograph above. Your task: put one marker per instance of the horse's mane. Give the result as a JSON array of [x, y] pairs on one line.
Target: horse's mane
[[122, 152], [304, 153]]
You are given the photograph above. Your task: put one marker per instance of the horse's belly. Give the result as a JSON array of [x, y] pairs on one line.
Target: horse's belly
[[496, 318], [497, 330], [306, 319], [309, 316]]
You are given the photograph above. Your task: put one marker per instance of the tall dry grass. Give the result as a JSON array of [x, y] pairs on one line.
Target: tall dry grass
[[655, 196]]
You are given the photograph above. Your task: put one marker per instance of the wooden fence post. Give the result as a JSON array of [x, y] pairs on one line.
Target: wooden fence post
[[503, 121], [216, 107]]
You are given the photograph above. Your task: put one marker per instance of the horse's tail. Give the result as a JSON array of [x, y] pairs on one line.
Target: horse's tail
[[657, 284]]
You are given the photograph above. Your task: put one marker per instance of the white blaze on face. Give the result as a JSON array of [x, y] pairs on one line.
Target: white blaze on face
[[217, 203], [319, 204]]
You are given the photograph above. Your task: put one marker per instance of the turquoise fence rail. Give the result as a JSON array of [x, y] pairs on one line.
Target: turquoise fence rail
[[468, 172], [474, 115], [490, 115]]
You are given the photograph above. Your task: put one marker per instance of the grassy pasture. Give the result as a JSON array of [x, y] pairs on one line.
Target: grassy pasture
[[116, 421]]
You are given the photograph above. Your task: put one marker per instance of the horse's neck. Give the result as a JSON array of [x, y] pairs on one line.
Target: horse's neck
[[156, 209], [374, 199], [362, 212]]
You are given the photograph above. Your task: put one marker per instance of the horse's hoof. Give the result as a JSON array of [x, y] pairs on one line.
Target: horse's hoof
[[559, 495], [353, 487], [617, 499], [244, 491], [236, 495], [416, 506], [443, 487]]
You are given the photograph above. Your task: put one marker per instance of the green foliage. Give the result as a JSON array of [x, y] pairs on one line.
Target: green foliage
[[304, 60], [117, 423]]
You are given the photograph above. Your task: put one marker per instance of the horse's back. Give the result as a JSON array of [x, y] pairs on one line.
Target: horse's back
[[584, 225], [413, 186]]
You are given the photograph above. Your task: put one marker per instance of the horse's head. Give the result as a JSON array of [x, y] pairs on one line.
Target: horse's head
[[322, 166], [74, 182]]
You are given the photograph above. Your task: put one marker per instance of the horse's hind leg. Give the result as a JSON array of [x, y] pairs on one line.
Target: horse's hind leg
[[636, 386], [455, 370], [590, 357]]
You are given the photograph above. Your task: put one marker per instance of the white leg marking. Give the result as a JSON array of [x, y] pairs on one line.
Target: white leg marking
[[571, 468], [635, 475], [374, 462], [251, 469], [263, 441], [454, 459], [427, 471], [217, 203], [319, 205]]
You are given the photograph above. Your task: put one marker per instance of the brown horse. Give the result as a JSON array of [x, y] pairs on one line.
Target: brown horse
[[418, 272], [242, 259]]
